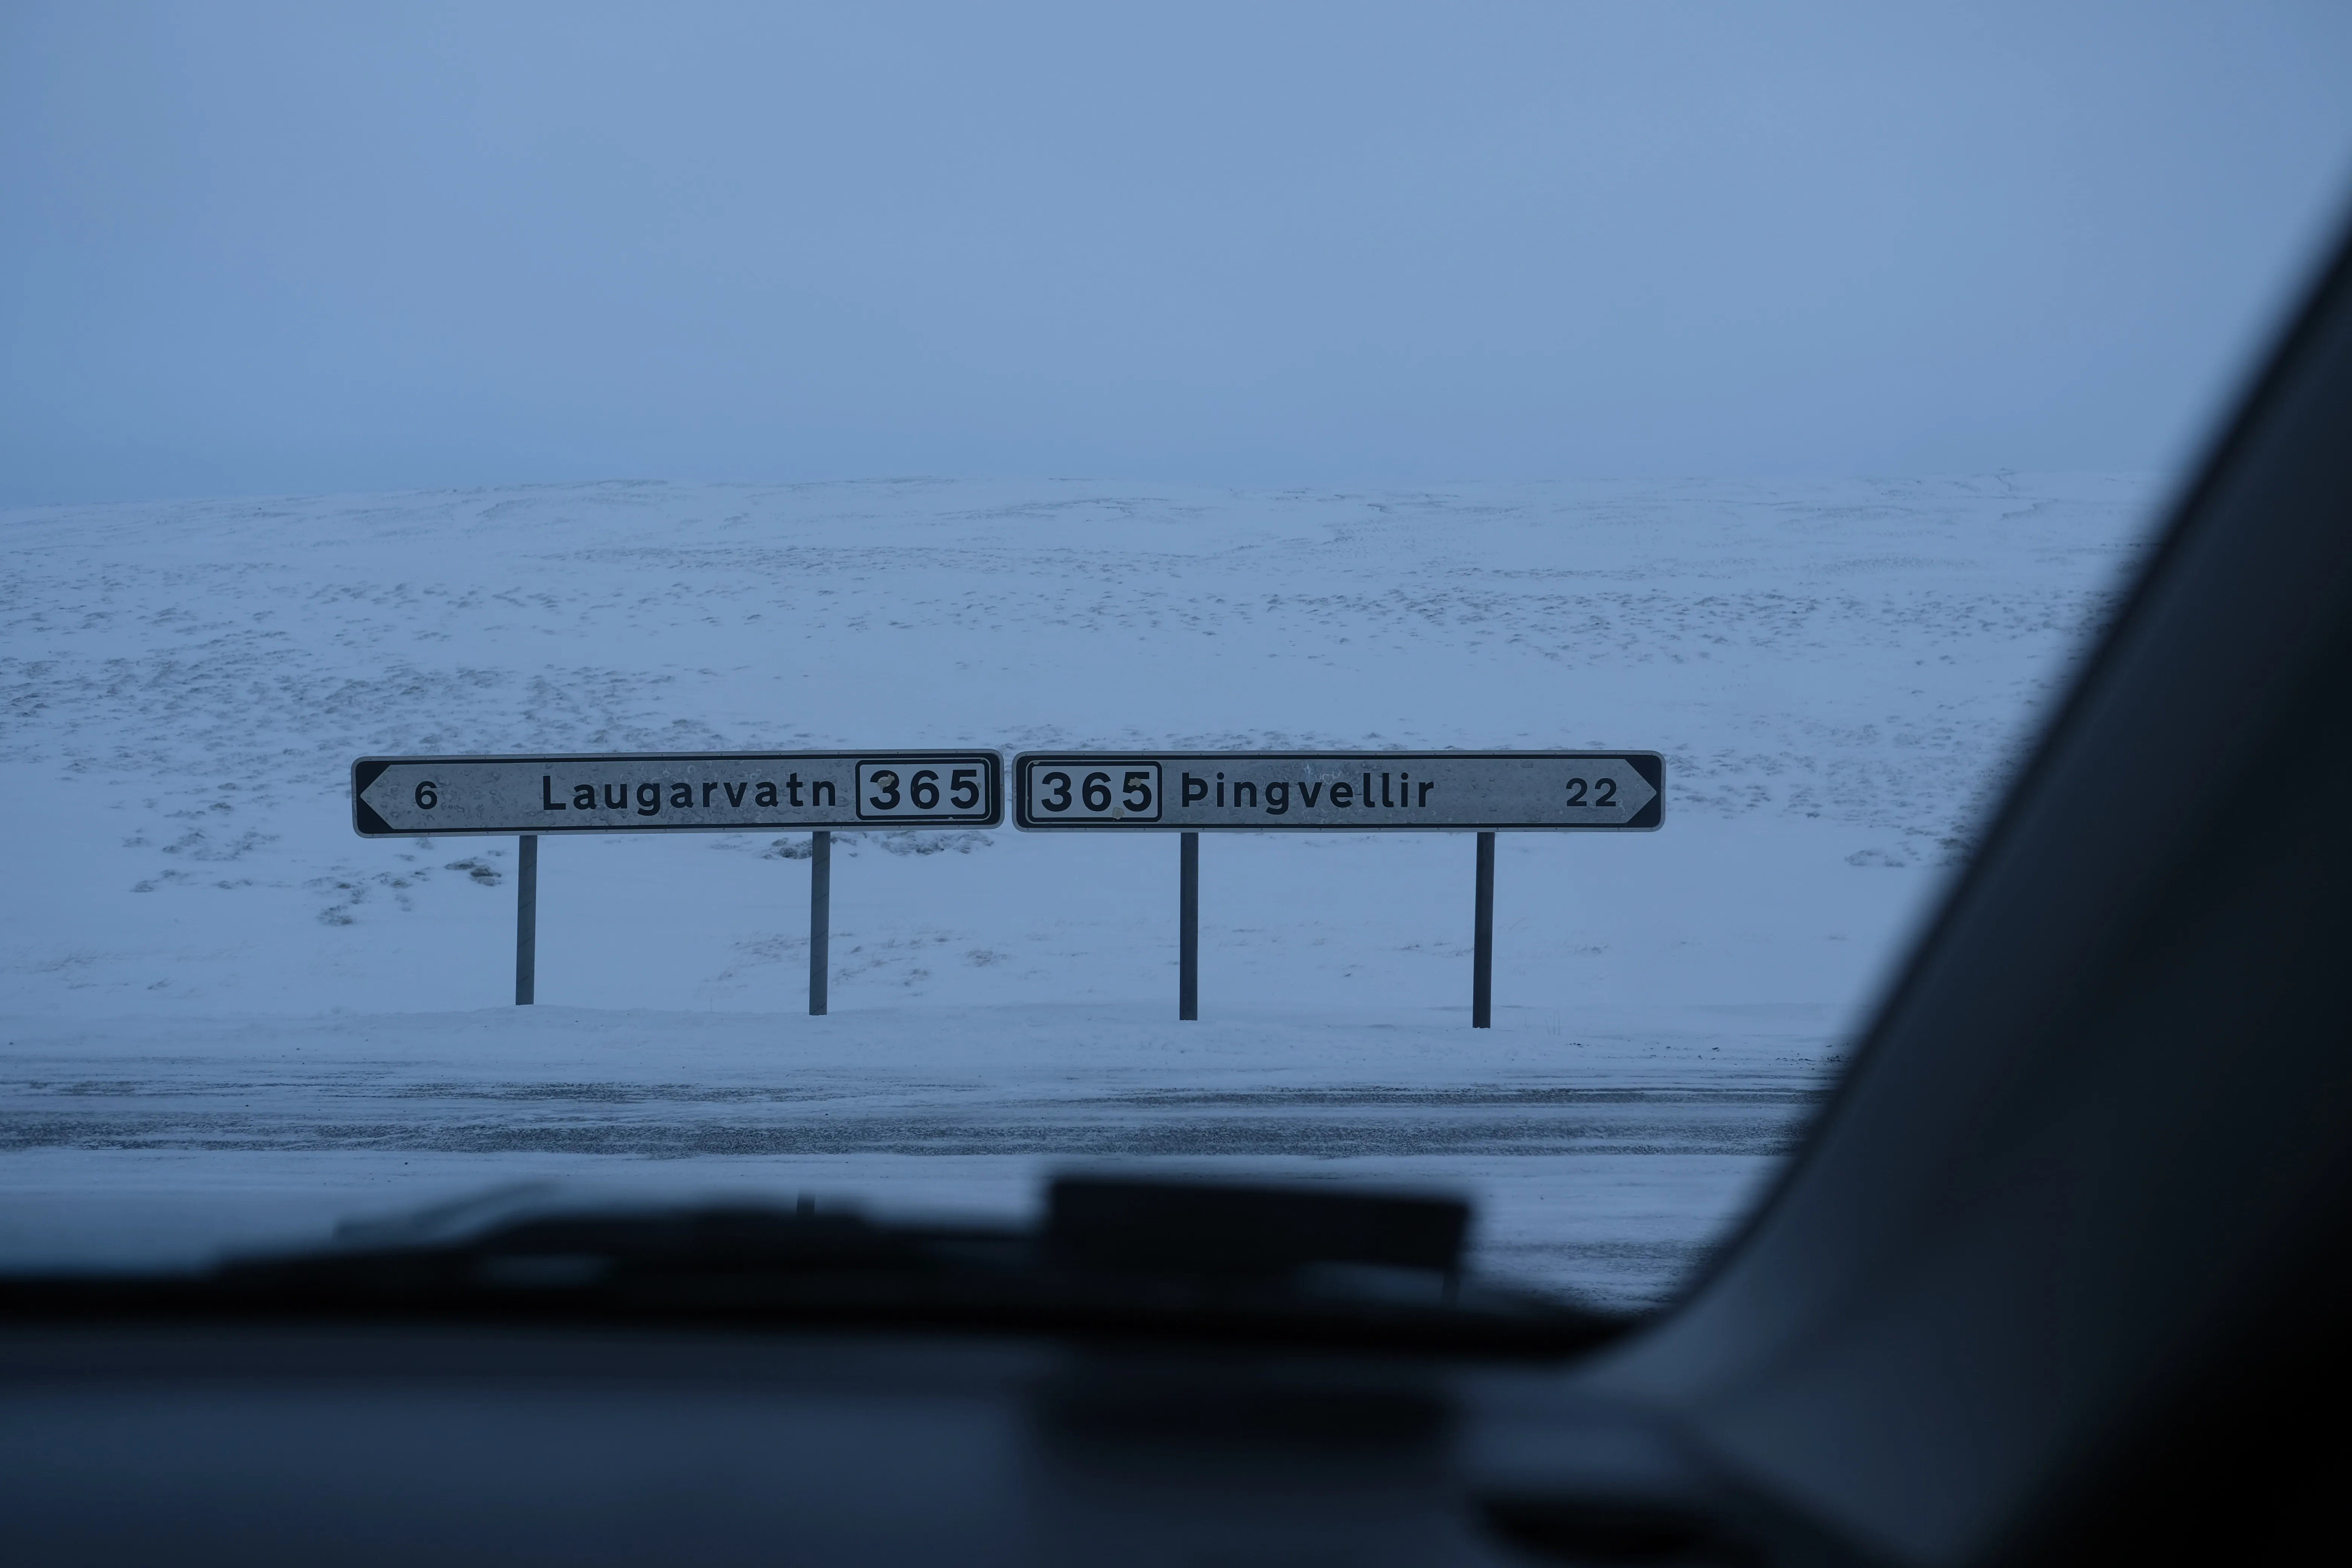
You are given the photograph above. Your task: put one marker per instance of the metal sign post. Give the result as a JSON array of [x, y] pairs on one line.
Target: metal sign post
[[693, 791], [1339, 792], [526, 920], [1482, 939], [1188, 927], [820, 919]]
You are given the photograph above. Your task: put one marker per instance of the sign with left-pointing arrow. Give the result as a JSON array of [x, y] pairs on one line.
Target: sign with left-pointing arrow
[[700, 791]]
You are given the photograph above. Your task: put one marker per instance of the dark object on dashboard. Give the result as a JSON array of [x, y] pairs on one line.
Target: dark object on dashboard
[[1222, 1228]]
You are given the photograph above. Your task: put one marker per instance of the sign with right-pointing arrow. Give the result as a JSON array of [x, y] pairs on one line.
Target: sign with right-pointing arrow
[[1325, 791]]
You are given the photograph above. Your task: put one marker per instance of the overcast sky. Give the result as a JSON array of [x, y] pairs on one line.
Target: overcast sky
[[254, 248]]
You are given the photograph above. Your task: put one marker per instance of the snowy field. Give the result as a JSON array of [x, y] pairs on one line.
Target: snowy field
[[227, 1020]]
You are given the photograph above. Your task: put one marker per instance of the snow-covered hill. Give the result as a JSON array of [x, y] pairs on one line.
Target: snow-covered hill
[[1837, 673]]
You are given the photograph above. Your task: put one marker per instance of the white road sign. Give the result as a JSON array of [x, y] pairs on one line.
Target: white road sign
[[1339, 791], [707, 792]]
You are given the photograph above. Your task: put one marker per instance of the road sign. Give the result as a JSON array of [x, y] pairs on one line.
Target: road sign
[[1327, 791], [704, 792]]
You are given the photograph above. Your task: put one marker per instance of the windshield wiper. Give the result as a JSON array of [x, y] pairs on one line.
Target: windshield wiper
[[1113, 1257]]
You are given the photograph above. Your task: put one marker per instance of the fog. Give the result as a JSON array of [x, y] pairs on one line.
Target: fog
[[252, 249]]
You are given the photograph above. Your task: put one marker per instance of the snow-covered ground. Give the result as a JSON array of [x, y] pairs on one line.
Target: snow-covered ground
[[228, 1019]]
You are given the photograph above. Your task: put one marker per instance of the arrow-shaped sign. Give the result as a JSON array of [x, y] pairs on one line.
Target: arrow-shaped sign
[[709, 792], [1345, 791]]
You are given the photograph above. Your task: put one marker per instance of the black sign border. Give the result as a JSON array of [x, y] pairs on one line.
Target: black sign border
[[1651, 765], [1160, 799], [368, 824]]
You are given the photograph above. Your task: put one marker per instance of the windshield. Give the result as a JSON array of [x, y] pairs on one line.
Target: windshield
[[1789, 395]]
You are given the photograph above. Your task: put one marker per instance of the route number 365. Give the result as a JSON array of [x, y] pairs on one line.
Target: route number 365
[[898, 791], [1115, 790]]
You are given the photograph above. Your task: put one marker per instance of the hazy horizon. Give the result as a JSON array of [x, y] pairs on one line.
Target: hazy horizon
[[264, 249]]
